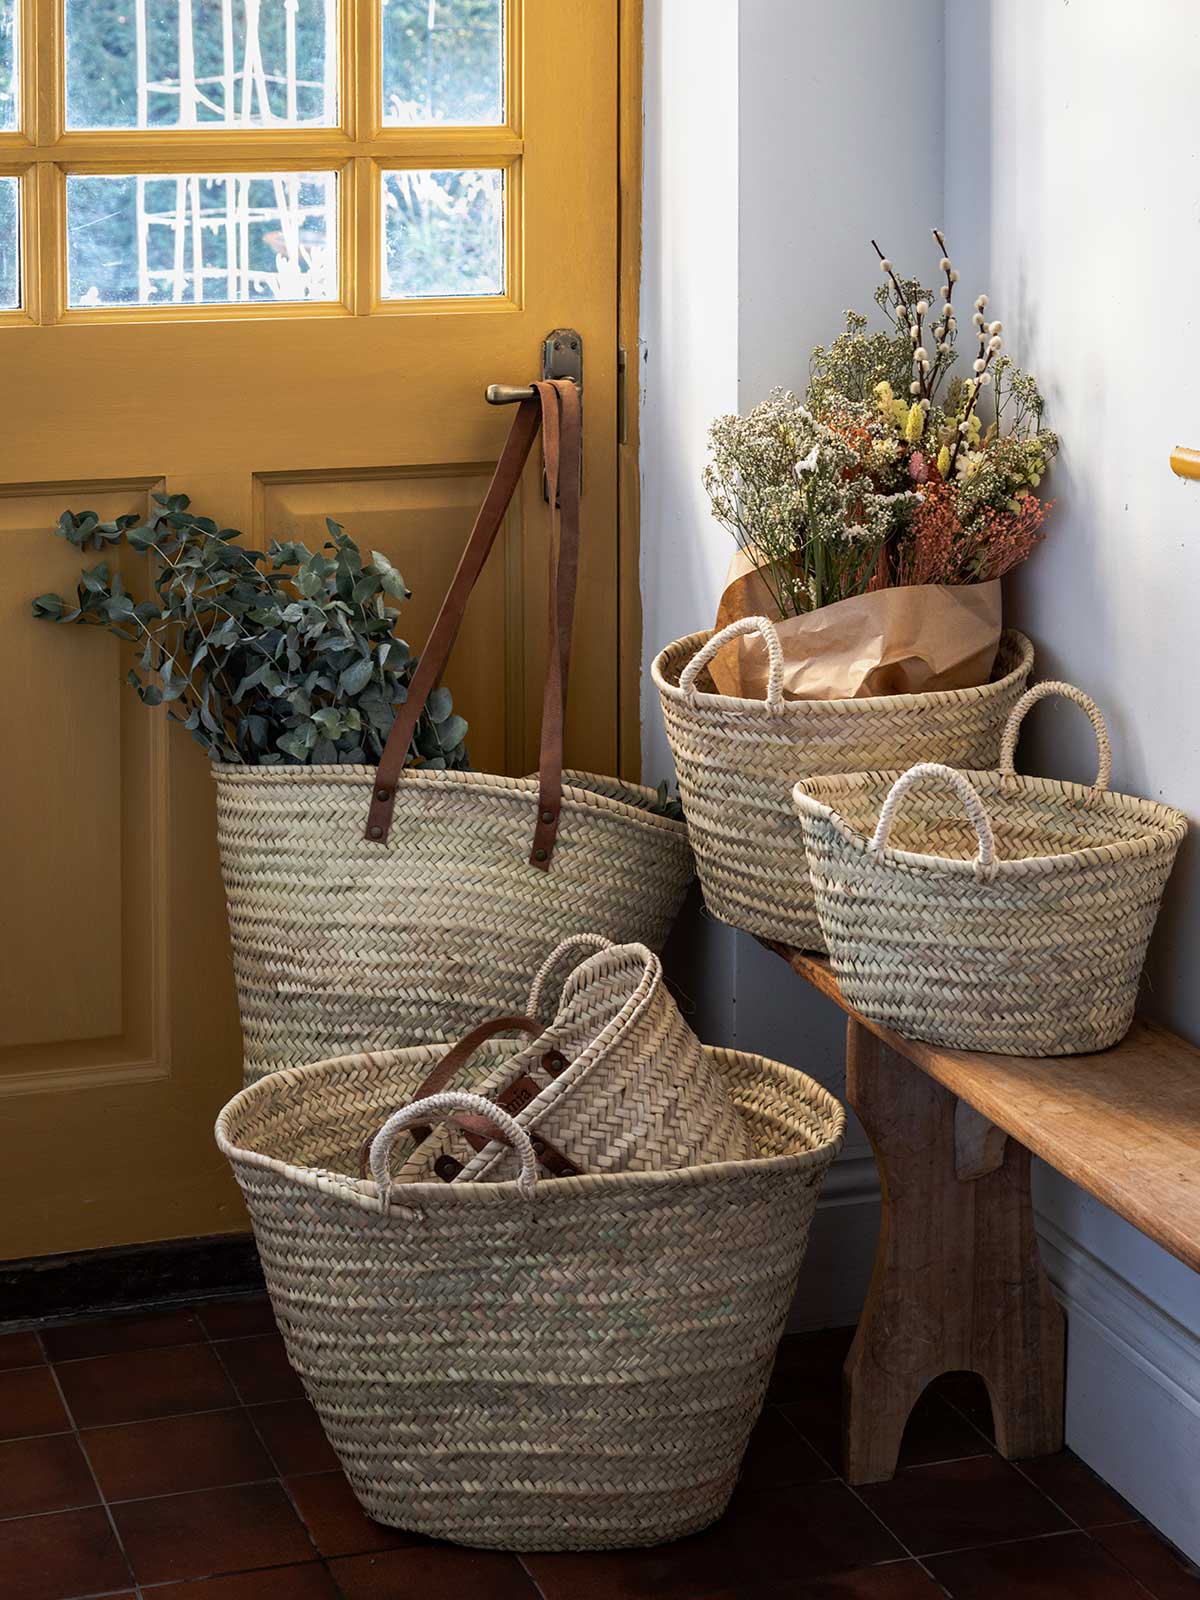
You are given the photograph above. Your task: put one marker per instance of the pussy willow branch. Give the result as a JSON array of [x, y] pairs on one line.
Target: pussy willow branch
[[943, 360], [909, 312]]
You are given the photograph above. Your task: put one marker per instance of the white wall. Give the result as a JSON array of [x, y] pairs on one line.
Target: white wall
[[689, 312], [1075, 181], [818, 132], [764, 184], [1059, 144]]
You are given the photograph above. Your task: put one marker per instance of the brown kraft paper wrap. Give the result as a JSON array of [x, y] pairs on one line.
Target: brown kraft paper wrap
[[895, 641]]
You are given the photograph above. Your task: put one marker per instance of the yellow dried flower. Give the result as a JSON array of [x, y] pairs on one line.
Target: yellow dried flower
[[884, 395], [915, 425], [943, 461], [900, 414]]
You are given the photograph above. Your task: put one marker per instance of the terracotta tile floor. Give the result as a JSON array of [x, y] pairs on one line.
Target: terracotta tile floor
[[172, 1456]]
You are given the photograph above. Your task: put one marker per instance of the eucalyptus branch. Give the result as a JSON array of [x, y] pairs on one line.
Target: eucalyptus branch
[[297, 664]]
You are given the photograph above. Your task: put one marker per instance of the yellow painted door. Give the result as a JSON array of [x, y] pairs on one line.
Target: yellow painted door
[[270, 254]]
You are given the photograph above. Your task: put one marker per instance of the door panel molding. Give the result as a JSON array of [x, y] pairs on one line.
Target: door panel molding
[[71, 908]]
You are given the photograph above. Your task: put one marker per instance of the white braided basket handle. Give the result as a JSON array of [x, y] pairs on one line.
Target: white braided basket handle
[[1068, 691], [985, 861], [743, 625], [577, 941], [436, 1108]]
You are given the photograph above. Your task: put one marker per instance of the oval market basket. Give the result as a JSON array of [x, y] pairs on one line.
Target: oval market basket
[[737, 761], [617, 1082], [369, 907], [573, 1363], [985, 910]]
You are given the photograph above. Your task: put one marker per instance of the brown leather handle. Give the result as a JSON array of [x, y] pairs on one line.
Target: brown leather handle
[[557, 410], [467, 1046], [448, 1066], [563, 448], [477, 1130]]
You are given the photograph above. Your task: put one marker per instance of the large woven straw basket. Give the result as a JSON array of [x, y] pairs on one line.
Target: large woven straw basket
[[738, 759], [374, 907], [617, 1082], [1018, 927], [341, 944], [573, 1363]]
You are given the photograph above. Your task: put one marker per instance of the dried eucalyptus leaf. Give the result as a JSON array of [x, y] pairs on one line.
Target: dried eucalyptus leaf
[[440, 704], [391, 580], [356, 676]]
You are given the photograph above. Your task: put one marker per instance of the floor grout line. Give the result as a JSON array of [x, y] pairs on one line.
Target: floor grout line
[[112, 1522], [281, 1479]]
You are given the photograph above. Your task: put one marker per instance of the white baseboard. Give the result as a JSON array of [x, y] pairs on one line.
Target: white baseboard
[[1133, 1388]]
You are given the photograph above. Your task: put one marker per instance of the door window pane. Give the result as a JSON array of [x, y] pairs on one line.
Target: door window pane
[[195, 63], [9, 57], [10, 244], [443, 61], [216, 239], [443, 234]]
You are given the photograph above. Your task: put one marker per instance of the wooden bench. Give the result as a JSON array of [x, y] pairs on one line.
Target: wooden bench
[[958, 1281]]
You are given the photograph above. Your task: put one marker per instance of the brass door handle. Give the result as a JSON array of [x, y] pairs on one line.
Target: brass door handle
[[507, 394]]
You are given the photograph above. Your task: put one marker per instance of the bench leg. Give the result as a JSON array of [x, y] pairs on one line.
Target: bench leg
[[958, 1282]]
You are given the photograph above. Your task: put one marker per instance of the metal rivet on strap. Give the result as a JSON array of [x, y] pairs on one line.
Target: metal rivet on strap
[[547, 816], [383, 794], [539, 854], [375, 831]]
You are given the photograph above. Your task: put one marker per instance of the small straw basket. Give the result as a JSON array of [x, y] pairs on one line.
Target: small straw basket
[[617, 1082], [572, 1363], [738, 759], [1017, 925]]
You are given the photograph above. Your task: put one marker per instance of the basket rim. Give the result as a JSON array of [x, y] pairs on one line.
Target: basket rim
[[576, 794], [363, 1192], [1165, 827], [928, 699]]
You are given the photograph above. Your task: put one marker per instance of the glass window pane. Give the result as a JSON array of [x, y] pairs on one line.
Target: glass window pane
[[443, 61], [199, 63], [443, 234], [217, 239], [9, 57], [10, 244]]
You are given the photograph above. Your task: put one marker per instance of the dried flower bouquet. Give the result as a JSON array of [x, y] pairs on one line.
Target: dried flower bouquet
[[895, 474]]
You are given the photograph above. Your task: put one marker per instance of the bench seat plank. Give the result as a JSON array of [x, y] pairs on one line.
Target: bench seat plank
[[1123, 1124]]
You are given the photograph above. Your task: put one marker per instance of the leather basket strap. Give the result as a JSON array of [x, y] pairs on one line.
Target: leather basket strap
[[467, 1046], [564, 577], [448, 1066], [556, 407]]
